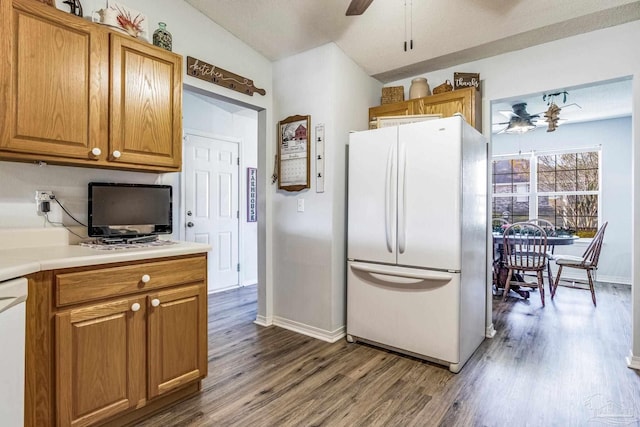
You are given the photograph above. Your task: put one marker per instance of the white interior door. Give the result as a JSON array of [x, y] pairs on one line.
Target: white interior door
[[211, 204]]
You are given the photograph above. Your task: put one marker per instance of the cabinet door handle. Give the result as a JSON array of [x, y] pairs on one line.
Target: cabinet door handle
[[135, 306], [96, 151], [145, 278], [116, 154], [155, 302]]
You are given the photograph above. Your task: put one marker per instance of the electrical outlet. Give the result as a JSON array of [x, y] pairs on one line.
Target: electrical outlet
[[43, 201], [44, 195]]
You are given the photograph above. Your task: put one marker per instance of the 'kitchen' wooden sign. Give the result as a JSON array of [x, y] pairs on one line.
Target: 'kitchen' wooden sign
[[221, 77]]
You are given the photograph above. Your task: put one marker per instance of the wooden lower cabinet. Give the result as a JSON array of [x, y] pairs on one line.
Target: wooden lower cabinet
[[177, 341], [92, 362], [100, 360]]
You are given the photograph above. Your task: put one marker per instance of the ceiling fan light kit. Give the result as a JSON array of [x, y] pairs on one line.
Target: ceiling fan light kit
[[519, 125]]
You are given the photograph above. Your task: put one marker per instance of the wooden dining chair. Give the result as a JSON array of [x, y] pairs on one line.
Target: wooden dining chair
[[525, 249], [546, 225], [550, 229], [588, 261], [497, 225]]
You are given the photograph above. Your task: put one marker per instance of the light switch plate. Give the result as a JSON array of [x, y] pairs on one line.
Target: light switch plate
[[300, 205]]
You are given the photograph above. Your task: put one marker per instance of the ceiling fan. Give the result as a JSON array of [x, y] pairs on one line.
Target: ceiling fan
[[520, 121], [357, 7]]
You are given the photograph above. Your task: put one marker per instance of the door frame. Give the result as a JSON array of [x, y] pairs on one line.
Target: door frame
[[182, 218]]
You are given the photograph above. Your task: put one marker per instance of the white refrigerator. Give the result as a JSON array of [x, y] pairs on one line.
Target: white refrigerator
[[417, 215]]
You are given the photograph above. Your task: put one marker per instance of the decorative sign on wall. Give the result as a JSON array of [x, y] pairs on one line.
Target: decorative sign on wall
[[252, 188], [463, 80], [211, 73]]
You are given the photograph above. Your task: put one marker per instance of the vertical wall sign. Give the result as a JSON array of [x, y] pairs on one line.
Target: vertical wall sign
[[320, 158], [252, 188], [211, 73]]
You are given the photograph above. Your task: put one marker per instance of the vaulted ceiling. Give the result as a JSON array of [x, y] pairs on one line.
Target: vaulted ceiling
[[444, 33]]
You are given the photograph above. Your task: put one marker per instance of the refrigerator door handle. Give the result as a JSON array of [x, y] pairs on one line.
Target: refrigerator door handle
[[388, 199], [433, 276], [402, 199]]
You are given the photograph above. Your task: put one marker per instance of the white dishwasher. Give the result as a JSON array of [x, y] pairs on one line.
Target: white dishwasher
[[13, 294]]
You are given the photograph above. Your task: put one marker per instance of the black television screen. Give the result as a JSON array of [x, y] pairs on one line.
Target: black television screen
[[129, 210]]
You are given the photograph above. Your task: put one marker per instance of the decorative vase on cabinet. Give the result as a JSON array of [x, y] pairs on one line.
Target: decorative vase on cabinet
[[162, 37], [419, 88]]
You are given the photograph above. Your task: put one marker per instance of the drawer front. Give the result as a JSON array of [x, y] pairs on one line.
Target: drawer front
[[100, 283]]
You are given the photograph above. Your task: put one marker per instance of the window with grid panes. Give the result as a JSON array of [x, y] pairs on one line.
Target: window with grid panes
[[563, 188]]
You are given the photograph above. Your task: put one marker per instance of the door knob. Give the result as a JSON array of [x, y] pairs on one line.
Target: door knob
[[135, 307], [189, 213], [190, 224], [155, 302], [116, 154], [96, 151], [145, 278]]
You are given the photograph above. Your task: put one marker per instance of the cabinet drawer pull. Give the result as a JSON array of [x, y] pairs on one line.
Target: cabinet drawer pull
[[145, 278], [116, 154], [155, 302], [96, 151], [135, 306]]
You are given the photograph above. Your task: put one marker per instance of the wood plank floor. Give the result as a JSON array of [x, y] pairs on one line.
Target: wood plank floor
[[563, 365]]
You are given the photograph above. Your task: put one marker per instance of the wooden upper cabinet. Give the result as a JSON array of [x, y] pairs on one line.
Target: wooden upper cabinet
[[100, 361], [466, 101], [58, 84], [146, 102], [395, 109], [78, 93]]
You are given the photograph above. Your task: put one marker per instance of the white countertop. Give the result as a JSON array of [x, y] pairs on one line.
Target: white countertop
[[57, 253]]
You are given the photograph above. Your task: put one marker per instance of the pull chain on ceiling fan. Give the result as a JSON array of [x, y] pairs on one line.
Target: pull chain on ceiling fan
[[410, 25], [358, 7]]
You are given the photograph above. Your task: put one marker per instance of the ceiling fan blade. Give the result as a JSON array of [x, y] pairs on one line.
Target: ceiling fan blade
[[357, 7], [507, 113]]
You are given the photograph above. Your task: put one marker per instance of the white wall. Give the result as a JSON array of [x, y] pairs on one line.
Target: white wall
[[601, 55], [69, 184], [225, 120], [614, 137], [309, 247]]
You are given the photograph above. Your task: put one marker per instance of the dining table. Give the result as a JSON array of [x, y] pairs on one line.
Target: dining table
[[500, 270]]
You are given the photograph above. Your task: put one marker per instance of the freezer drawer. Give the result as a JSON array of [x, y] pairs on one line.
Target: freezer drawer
[[412, 310]]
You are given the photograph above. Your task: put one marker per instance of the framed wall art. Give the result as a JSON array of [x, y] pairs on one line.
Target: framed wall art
[[294, 173]]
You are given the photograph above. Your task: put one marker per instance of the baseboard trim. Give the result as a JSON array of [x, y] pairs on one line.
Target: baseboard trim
[[489, 331], [263, 321], [311, 331], [618, 280], [633, 362], [228, 288]]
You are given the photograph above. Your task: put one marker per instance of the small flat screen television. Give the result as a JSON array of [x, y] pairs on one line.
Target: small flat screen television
[[119, 210]]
